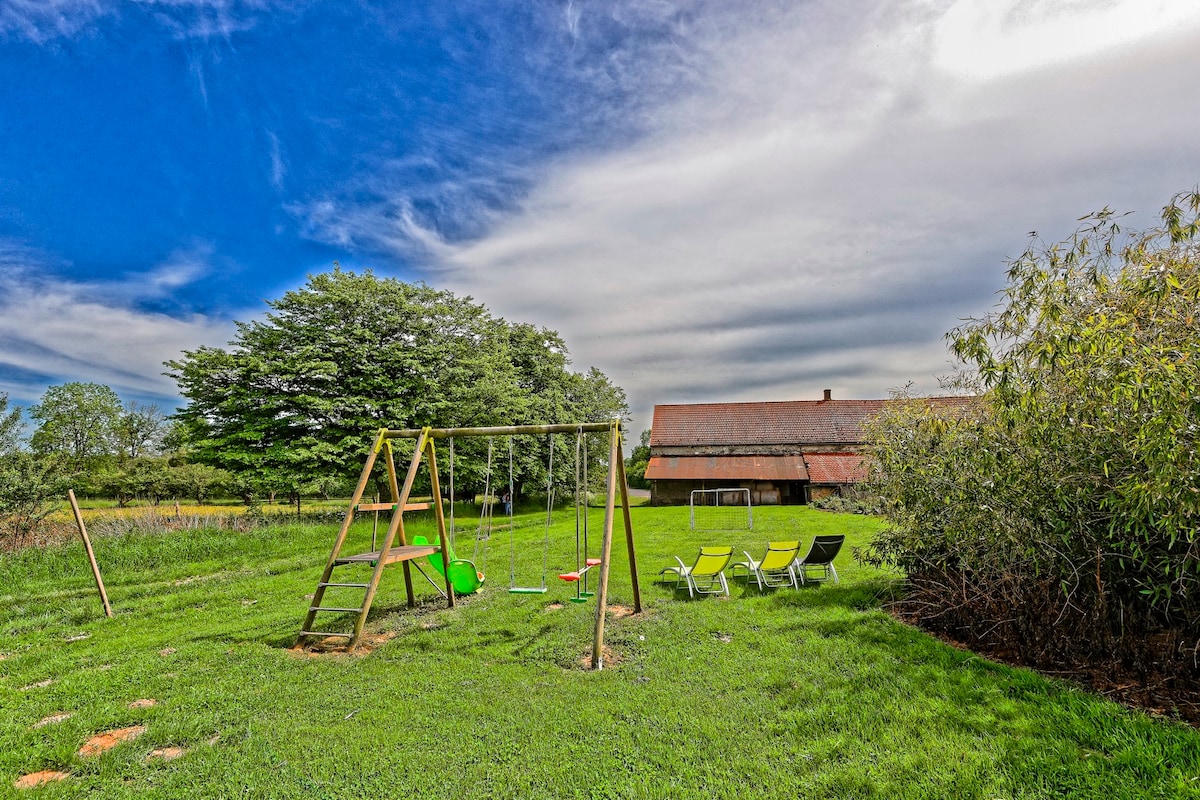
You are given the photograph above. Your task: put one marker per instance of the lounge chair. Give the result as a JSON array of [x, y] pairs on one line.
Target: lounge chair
[[707, 575], [817, 565], [774, 569]]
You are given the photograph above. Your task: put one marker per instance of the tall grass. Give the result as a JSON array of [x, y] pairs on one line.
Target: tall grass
[[814, 692]]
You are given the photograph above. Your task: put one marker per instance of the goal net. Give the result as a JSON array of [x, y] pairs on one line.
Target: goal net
[[721, 510]]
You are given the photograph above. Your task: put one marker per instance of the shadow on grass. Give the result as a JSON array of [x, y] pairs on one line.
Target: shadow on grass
[[858, 595]]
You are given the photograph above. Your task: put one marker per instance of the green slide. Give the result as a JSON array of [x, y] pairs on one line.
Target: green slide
[[463, 575]]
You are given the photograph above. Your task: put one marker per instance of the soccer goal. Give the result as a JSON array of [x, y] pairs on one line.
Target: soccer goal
[[721, 510]]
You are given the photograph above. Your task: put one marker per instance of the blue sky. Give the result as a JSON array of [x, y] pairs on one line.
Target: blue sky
[[708, 200]]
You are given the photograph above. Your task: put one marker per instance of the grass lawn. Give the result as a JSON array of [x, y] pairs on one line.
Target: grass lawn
[[813, 693]]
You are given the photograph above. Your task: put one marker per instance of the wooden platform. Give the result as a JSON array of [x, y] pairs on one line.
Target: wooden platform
[[405, 553]]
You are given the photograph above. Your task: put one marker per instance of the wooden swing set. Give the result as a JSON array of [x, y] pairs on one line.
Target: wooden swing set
[[458, 573]]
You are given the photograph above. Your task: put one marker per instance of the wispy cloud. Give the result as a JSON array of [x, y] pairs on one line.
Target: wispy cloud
[[41, 21], [278, 170], [55, 330], [211, 19]]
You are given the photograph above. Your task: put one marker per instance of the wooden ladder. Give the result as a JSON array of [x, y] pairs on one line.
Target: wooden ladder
[[394, 548]]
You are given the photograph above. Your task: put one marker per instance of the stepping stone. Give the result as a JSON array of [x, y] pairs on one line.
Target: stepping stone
[[103, 742], [38, 778]]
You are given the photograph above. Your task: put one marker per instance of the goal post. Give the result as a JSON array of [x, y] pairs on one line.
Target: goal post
[[721, 510]]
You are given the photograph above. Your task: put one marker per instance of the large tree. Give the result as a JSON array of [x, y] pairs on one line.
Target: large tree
[[77, 421], [295, 396], [140, 431]]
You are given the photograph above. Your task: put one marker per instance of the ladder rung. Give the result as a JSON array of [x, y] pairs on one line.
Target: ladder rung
[[332, 608], [375, 507], [327, 633], [392, 506], [350, 585]]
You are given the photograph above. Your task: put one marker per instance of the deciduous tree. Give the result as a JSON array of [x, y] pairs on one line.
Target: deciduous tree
[[76, 421], [296, 396]]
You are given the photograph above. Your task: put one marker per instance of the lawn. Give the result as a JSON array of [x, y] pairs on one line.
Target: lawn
[[816, 692]]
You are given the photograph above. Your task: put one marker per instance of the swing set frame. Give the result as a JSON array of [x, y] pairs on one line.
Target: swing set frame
[[403, 552]]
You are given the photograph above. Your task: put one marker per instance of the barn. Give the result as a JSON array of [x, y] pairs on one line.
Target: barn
[[786, 452]]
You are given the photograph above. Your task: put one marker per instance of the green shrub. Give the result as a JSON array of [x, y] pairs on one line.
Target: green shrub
[[1060, 513]]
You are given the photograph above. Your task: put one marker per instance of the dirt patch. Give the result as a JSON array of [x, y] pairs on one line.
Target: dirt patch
[[166, 651], [620, 612], [51, 720], [336, 645], [145, 702], [166, 754], [38, 685], [38, 778], [609, 656], [556, 606], [103, 742]]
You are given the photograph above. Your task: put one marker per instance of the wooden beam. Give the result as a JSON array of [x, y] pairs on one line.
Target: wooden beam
[[505, 430]]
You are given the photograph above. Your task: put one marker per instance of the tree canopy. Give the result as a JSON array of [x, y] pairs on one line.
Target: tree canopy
[[295, 397], [77, 421]]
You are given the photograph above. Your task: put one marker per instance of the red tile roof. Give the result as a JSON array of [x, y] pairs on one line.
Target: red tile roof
[[836, 468], [779, 422], [756, 468], [783, 422]]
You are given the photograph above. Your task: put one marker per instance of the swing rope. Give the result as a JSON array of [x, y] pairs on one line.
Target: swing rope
[[485, 513], [512, 551], [452, 532]]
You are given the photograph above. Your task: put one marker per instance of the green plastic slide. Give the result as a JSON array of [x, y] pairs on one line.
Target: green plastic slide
[[463, 576]]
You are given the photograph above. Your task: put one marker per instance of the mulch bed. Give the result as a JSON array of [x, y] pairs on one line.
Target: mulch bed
[[1160, 685]]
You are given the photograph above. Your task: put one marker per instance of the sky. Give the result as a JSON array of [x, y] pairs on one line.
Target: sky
[[709, 201]]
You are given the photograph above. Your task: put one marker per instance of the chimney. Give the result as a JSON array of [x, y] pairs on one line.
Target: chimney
[[828, 394]]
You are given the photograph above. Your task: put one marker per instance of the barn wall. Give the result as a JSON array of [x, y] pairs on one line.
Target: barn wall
[[762, 493]]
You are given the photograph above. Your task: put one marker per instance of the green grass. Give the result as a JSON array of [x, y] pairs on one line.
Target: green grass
[[814, 692]]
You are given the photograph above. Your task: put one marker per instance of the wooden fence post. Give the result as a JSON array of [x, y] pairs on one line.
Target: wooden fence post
[[87, 543]]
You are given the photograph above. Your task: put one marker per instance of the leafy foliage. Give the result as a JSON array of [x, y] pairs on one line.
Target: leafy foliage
[[29, 485], [296, 396], [639, 459], [1071, 491], [77, 421], [11, 426]]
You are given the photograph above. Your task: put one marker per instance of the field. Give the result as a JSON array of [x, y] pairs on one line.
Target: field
[[816, 692]]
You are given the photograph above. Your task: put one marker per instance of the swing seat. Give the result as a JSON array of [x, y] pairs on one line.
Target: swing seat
[[462, 573], [574, 576], [527, 590]]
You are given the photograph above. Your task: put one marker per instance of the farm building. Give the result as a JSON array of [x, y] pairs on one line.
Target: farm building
[[785, 452]]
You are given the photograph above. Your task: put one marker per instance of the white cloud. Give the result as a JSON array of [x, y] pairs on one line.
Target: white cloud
[[1003, 37], [835, 199], [69, 331]]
